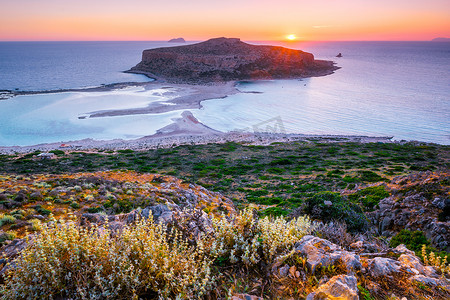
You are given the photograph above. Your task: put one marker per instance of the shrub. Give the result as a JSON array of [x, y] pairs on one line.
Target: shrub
[[57, 152], [369, 197], [42, 210], [330, 206], [275, 170], [413, 240], [146, 259], [124, 151], [274, 211], [36, 224], [370, 176], [438, 261], [281, 161], [248, 240], [7, 219], [9, 235]]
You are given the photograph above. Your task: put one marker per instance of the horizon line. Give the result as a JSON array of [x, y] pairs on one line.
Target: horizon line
[[187, 41]]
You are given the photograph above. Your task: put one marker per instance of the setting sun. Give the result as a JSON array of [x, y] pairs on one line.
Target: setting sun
[[291, 37]]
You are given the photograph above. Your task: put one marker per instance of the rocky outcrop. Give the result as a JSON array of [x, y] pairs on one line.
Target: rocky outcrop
[[418, 202], [177, 40], [339, 287], [323, 253], [225, 59], [339, 272]]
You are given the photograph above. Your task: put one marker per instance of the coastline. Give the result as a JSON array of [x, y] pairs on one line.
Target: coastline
[[177, 139]]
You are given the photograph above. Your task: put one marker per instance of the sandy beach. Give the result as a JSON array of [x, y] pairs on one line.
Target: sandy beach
[[181, 96]]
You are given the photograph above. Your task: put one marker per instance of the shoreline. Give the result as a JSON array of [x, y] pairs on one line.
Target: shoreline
[[157, 141], [180, 137]]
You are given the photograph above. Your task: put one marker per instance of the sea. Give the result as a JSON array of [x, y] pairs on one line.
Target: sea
[[396, 89]]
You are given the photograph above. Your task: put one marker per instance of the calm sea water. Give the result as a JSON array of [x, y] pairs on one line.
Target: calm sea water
[[399, 89]]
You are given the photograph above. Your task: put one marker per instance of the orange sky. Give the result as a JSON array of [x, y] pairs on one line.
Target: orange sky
[[202, 19]]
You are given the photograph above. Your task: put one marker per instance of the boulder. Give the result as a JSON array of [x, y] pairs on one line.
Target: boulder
[[320, 252], [10, 252], [338, 287], [413, 264], [430, 281], [381, 266], [245, 297]]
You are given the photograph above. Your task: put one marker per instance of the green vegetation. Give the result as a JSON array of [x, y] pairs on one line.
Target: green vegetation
[[336, 183], [279, 178], [331, 206], [369, 197], [413, 240]]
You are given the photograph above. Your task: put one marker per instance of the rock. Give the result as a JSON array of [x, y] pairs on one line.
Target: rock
[[338, 287], [439, 203], [413, 263], [245, 297], [10, 251], [160, 213], [19, 224], [409, 207], [94, 218], [36, 196], [381, 266], [357, 245], [320, 252], [430, 281], [283, 271], [177, 40], [226, 59], [402, 249]]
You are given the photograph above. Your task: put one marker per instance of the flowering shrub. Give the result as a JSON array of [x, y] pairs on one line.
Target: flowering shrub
[[250, 240], [435, 260], [66, 260]]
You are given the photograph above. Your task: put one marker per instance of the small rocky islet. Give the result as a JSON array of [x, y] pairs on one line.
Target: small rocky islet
[[229, 59], [377, 227]]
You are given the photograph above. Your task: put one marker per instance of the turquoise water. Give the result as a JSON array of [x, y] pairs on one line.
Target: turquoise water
[[399, 89]]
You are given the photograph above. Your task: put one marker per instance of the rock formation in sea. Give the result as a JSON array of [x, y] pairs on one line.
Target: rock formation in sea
[[177, 40], [226, 59], [441, 39]]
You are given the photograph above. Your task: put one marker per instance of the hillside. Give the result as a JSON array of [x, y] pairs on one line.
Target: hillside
[[235, 211]]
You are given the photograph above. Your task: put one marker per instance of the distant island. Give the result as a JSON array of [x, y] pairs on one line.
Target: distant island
[[228, 59], [441, 39], [177, 40]]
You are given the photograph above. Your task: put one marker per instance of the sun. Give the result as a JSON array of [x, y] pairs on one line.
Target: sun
[[291, 37]]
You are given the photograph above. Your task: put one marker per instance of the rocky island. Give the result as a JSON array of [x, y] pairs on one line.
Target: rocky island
[[177, 40], [227, 59]]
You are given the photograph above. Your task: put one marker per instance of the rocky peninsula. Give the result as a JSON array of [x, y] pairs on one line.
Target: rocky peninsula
[[228, 59]]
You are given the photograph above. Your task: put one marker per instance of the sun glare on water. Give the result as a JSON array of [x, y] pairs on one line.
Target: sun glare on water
[[291, 37]]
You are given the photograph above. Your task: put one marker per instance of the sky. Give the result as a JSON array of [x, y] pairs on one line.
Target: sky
[[253, 20]]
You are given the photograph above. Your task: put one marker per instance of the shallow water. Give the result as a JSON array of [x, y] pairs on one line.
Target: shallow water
[[55, 117]]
